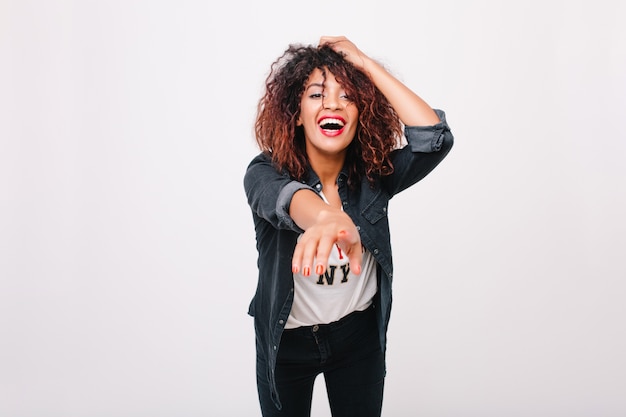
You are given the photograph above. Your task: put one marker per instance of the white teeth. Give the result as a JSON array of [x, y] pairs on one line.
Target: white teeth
[[331, 121]]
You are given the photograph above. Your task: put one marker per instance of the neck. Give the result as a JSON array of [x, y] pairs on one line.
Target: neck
[[327, 169]]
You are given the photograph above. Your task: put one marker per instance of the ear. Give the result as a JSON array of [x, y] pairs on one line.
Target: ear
[[299, 121]]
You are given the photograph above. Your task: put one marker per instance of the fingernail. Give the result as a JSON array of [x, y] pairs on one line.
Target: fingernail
[[319, 270], [306, 271], [294, 269]]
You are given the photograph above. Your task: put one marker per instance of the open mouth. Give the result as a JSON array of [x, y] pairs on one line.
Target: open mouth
[[331, 124]]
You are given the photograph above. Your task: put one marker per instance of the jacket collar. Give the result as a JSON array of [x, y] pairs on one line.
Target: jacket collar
[[313, 179]]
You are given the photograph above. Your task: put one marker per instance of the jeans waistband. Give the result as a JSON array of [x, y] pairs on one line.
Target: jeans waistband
[[349, 319]]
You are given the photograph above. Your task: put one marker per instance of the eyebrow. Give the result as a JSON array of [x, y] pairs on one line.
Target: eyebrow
[[314, 85]]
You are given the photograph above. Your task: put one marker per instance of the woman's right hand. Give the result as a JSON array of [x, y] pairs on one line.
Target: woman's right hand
[[324, 227]]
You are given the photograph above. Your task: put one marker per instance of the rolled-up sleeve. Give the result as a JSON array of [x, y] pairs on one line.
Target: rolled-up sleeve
[[426, 147], [269, 192], [284, 201], [428, 138]]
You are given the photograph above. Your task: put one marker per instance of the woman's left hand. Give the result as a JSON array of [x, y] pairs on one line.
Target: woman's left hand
[[413, 111], [345, 46]]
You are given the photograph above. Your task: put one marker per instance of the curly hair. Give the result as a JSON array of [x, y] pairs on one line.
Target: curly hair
[[379, 128]]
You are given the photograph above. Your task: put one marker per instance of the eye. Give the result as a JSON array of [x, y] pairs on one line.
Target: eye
[[315, 95]]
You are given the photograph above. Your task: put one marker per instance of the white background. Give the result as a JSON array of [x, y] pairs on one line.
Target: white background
[[127, 256]]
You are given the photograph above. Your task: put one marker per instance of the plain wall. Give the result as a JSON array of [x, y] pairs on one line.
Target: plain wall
[[127, 257]]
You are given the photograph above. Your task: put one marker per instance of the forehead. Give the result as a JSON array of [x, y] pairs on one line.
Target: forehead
[[317, 77]]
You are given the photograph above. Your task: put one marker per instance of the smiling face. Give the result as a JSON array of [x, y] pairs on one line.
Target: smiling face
[[328, 116]]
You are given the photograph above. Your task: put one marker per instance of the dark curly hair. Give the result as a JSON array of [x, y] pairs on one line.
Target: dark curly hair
[[379, 130]]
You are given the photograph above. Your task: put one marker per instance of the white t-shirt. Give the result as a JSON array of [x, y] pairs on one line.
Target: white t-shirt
[[322, 299]]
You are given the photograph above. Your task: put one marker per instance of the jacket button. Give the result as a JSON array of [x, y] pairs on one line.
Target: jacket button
[[376, 251], [281, 321]]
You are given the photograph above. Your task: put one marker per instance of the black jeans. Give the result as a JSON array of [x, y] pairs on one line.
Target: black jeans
[[347, 352]]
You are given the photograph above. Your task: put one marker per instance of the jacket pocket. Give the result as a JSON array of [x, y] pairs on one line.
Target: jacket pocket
[[377, 208]]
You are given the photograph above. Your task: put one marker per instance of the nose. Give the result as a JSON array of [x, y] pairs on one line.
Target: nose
[[331, 102]]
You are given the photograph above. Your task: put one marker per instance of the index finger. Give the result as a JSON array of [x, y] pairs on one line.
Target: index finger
[[351, 245]]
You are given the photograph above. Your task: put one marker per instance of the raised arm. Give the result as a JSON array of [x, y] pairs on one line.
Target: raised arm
[[412, 109]]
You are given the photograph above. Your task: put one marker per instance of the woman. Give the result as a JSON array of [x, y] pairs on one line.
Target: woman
[[330, 127]]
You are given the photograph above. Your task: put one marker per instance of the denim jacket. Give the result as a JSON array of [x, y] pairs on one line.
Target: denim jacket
[[269, 194]]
